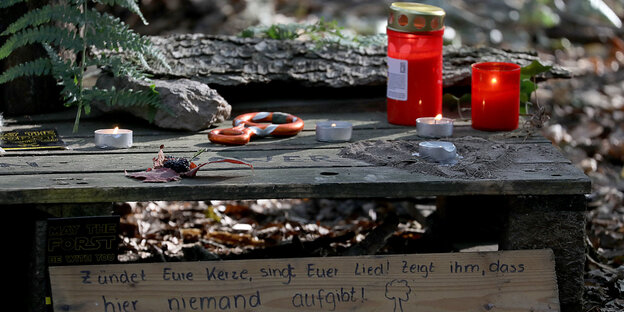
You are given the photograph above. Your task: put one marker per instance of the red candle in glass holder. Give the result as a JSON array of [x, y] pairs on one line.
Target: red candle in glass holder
[[414, 62], [495, 96]]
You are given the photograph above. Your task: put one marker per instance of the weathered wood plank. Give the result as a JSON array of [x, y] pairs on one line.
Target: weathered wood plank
[[260, 159], [336, 182], [361, 120], [318, 158], [371, 120], [505, 281], [190, 143], [288, 167]]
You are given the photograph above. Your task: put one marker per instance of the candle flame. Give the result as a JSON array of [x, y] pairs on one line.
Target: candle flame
[[494, 80], [115, 130], [333, 125], [437, 118]]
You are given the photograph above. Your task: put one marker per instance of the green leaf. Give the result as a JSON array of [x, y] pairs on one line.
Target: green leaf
[[38, 67], [247, 33], [211, 213], [321, 32], [283, 31], [109, 33], [527, 87], [128, 4], [123, 97], [527, 74], [151, 114], [466, 98], [118, 67], [8, 3], [153, 88], [533, 69], [449, 99], [42, 34], [44, 15]]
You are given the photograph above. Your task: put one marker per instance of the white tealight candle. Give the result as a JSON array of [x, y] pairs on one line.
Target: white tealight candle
[[113, 138], [438, 151], [333, 131], [434, 127]]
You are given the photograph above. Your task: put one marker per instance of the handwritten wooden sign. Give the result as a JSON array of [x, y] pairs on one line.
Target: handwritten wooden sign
[[31, 139], [496, 281]]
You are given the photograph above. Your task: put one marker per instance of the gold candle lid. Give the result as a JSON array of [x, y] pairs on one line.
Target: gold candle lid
[[415, 17]]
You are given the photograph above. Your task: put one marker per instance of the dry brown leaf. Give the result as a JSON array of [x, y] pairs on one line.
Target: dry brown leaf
[[190, 235], [234, 239], [158, 175], [239, 210]]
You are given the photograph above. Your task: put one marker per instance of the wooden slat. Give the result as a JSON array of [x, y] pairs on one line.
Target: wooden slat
[[498, 281], [190, 143], [272, 158], [339, 182], [318, 158], [360, 121], [292, 167]]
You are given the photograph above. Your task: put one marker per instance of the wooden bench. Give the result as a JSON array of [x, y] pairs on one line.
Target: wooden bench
[[538, 197]]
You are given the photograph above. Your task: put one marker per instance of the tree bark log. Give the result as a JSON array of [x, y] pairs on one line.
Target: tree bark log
[[303, 69], [233, 61]]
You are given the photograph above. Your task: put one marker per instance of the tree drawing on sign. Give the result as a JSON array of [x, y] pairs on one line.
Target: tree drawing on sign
[[399, 291]]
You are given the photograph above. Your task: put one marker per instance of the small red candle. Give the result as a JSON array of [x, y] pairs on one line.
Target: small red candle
[[495, 96]]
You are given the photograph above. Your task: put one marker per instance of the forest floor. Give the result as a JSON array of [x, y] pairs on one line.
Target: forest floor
[[587, 124]]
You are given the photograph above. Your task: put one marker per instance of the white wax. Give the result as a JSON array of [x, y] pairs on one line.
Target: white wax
[[438, 151], [106, 138], [333, 131], [429, 127]]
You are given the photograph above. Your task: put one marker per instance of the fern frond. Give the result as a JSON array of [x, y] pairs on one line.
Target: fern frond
[[110, 33], [147, 98], [44, 34], [65, 74], [91, 30], [107, 32], [156, 54], [123, 97], [38, 67], [70, 88], [8, 3], [128, 4], [58, 64], [44, 15], [118, 67]]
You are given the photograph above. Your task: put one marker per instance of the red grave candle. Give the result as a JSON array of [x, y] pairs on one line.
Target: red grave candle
[[414, 62], [495, 96]]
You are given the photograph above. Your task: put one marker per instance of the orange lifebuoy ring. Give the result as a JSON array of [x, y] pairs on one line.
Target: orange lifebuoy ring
[[257, 124]]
